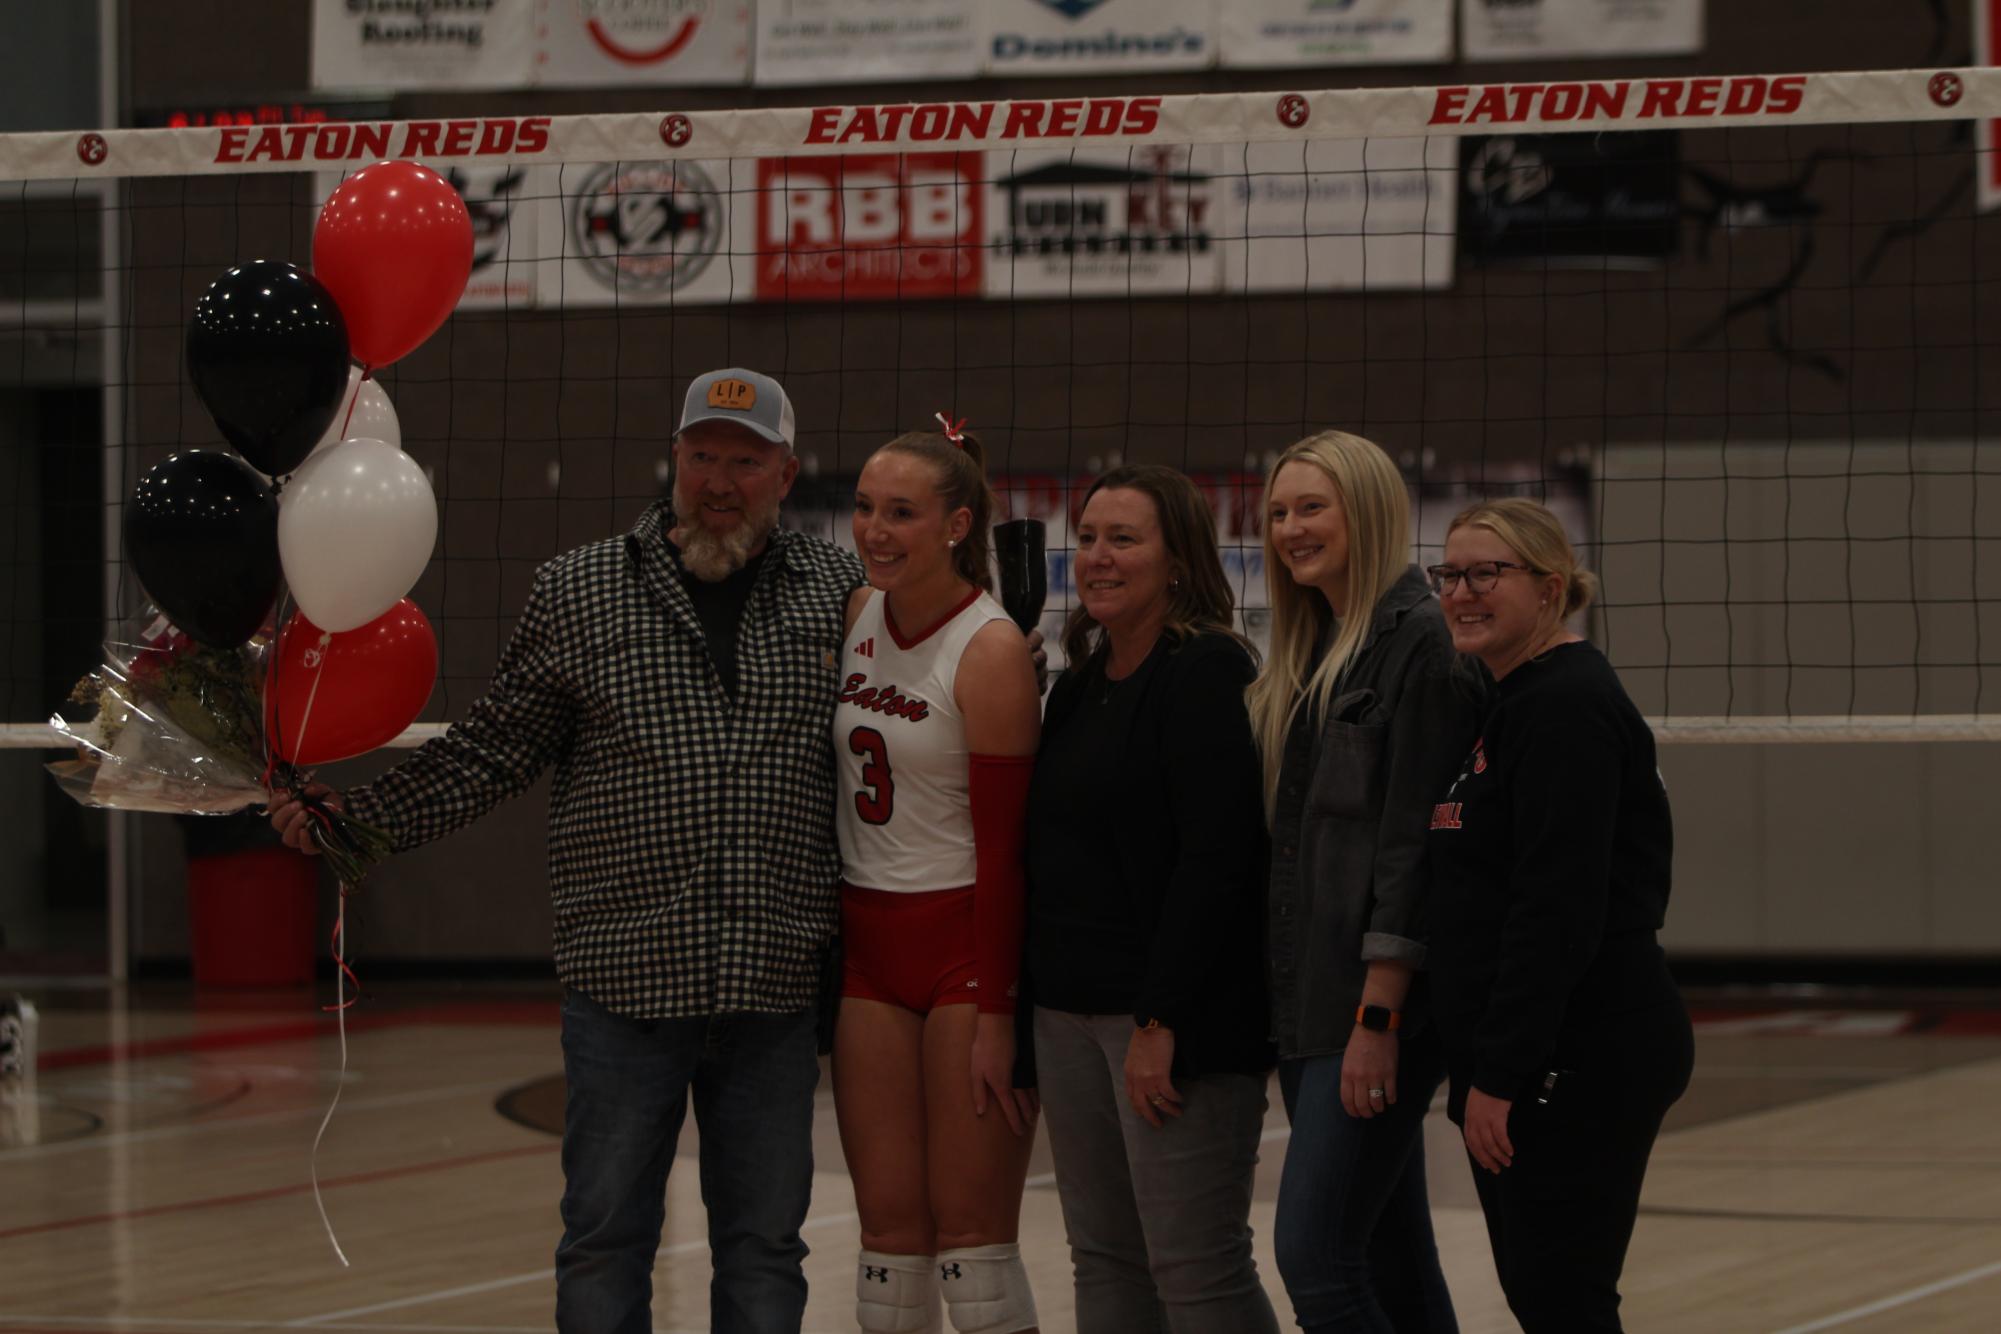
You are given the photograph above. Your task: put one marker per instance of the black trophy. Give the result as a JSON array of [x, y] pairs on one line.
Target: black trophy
[[1024, 570]]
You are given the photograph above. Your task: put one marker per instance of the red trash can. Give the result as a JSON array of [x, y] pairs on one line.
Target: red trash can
[[252, 917]]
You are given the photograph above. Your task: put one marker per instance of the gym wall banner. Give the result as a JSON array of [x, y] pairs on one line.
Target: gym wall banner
[[866, 41], [1276, 33], [641, 43], [392, 44], [1987, 133], [1581, 197], [395, 44], [1098, 36], [1536, 29]]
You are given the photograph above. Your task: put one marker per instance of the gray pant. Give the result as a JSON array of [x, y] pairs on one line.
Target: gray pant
[[1159, 1220]]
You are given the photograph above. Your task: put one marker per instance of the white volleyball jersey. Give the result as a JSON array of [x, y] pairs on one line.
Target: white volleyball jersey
[[904, 815]]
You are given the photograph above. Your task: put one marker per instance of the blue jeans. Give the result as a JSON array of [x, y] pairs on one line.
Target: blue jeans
[[752, 1076], [1353, 1234]]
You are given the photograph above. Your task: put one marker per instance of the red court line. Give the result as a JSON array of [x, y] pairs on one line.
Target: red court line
[[278, 1192], [505, 1013]]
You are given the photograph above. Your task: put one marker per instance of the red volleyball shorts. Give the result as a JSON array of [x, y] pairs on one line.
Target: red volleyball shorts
[[912, 950]]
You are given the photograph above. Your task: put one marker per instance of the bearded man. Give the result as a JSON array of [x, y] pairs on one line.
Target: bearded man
[[681, 678]]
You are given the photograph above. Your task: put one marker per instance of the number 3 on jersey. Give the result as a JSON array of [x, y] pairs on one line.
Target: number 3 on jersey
[[875, 799]]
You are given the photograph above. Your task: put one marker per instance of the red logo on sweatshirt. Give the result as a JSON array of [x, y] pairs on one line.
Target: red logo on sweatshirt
[[1445, 815], [1480, 756]]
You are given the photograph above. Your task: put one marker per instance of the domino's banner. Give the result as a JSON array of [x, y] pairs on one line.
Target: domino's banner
[[866, 41], [1281, 33], [1098, 36], [1537, 29], [395, 44]]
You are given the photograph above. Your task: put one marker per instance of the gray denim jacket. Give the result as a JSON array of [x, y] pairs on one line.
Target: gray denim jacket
[[1355, 793]]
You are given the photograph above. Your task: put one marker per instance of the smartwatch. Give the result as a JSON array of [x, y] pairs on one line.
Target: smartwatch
[[1378, 1018]]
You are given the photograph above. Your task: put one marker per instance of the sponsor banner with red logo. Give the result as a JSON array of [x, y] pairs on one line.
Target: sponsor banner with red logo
[[1538, 29], [1340, 214], [1987, 133], [1097, 36], [395, 44], [870, 228], [509, 204], [1574, 106], [866, 41], [1274, 33], [650, 234], [643, 43]]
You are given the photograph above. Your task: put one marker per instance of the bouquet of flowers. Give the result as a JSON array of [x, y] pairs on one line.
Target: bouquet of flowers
[[171, 725]]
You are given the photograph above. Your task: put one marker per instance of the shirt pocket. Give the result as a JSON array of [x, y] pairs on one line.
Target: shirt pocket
[[1347, 778]]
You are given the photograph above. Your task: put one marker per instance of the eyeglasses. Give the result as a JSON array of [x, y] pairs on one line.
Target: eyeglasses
[[1480, 576]]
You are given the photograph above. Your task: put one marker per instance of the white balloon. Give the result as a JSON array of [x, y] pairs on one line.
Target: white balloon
[[355, 529], [365, 414]]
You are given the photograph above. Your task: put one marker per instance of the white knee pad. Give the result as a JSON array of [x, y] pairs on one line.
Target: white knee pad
[[986, 1289], [897, 1294]]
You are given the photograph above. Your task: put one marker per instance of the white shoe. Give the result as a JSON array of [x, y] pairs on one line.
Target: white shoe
[[20, 1119]]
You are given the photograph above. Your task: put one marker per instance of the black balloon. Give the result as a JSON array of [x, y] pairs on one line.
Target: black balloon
[[1019, 549], [267, 351], [201, 531]]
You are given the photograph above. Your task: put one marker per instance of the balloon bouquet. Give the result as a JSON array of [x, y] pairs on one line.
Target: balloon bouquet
[[213, 700]]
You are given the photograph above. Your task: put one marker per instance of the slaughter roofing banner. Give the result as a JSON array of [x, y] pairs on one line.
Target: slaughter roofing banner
[[1098, 36], [393, 44], [1275, 33], [866, 41], [644, 43], [1535, 29]]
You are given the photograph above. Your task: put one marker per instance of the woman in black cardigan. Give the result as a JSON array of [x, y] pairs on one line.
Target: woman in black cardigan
[[1145, 960]]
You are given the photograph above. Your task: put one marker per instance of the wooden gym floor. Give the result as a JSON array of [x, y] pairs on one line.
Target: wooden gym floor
[[1831, 1168]]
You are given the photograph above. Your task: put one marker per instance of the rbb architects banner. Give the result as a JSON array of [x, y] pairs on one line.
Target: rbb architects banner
[[1987, 135], [1337, 214], [1098, 36], [1585, 198], [443, 44], [649, 234], [866, 41], [1270, 33], [886, 227], [1534, 29], [1114, 222], [649, 43], [510, 205]]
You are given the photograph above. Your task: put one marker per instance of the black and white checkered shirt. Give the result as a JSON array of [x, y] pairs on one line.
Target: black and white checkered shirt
[[691, 837]]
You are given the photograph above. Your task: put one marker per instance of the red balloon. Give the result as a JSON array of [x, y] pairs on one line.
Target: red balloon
[[394, 246], [337, 696]]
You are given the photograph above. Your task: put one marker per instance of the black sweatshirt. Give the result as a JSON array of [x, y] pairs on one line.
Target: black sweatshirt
[[1146, 865], [1552, 854]]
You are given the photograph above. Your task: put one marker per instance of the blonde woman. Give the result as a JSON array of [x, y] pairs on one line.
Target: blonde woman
[[1361, 718], [1565, 1035]]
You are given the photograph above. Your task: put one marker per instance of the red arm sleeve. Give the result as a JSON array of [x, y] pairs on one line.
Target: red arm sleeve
[[998, 792]]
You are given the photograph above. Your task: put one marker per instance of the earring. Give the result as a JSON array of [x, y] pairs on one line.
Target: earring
[[951, 542]]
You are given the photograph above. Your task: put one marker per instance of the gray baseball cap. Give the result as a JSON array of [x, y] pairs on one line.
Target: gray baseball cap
[[744, 397]]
